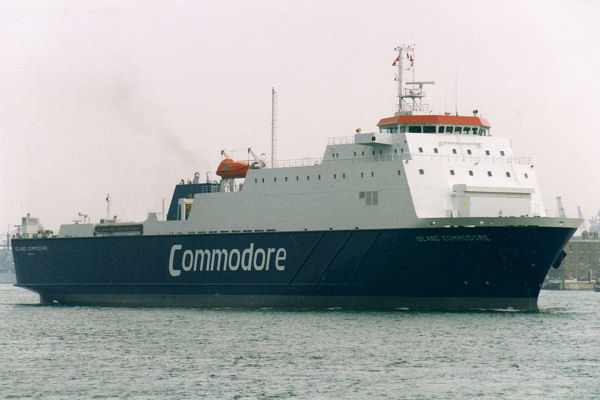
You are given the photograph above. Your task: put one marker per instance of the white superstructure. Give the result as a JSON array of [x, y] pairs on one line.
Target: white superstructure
[[417, 169]]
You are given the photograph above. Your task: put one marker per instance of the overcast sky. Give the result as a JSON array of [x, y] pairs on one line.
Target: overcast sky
[[128, 97]]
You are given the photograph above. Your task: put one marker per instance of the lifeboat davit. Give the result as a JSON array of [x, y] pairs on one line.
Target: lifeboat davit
[[232, 169]]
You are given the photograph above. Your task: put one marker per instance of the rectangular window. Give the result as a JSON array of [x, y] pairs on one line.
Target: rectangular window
[[526, 176], [451, 172], [487, 152], [399, 173], [414, 129], [308, 178], [274, 179], [363, 153], [285, 178], [429, 129], [501, 152], [362, 174], [421, 172], [369, 198], [507, 174], [435, 150], [297, 179], [470, 173], [343, 176], [453, 151], [489, 173], [334, 176], [468, 151], [319, 177], [420, 149]]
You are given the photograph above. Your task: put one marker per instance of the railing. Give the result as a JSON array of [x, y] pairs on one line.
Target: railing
[[299, 162], [340, 140], [307, 162]]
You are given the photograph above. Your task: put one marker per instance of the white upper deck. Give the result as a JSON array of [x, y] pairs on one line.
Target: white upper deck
[[417, 167]]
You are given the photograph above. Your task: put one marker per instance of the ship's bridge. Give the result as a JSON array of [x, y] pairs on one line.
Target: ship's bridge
[[447, 124]]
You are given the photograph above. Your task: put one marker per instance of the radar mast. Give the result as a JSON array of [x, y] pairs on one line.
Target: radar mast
[[409, 98]]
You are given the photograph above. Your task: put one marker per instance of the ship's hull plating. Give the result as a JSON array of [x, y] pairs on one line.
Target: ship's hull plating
[[438, 268]]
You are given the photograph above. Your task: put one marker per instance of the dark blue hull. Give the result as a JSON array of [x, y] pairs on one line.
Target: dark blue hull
[[440, 268]]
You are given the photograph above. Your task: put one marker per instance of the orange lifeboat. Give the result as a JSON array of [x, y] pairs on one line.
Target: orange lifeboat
[[232, 169]]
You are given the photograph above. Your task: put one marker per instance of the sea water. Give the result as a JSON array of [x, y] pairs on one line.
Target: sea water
[[59, 352]]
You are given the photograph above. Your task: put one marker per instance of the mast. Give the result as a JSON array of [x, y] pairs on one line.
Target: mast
[[409, 99], [399, 63], [273, 127]]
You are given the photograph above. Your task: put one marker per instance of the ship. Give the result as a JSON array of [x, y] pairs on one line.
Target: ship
[[430, 211]]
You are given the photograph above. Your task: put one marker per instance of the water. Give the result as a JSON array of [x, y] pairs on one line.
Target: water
[[57, 352]]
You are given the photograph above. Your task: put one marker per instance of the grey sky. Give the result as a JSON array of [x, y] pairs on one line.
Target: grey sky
[[128, 97]]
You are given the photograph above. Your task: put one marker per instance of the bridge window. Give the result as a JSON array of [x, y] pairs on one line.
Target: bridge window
[[429, 129], [457, 130], [449, 129], [414, 129], [466, 130], [440, 129]]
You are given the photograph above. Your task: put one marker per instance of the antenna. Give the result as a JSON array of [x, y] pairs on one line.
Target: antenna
[[273, 127], [108, 201]]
